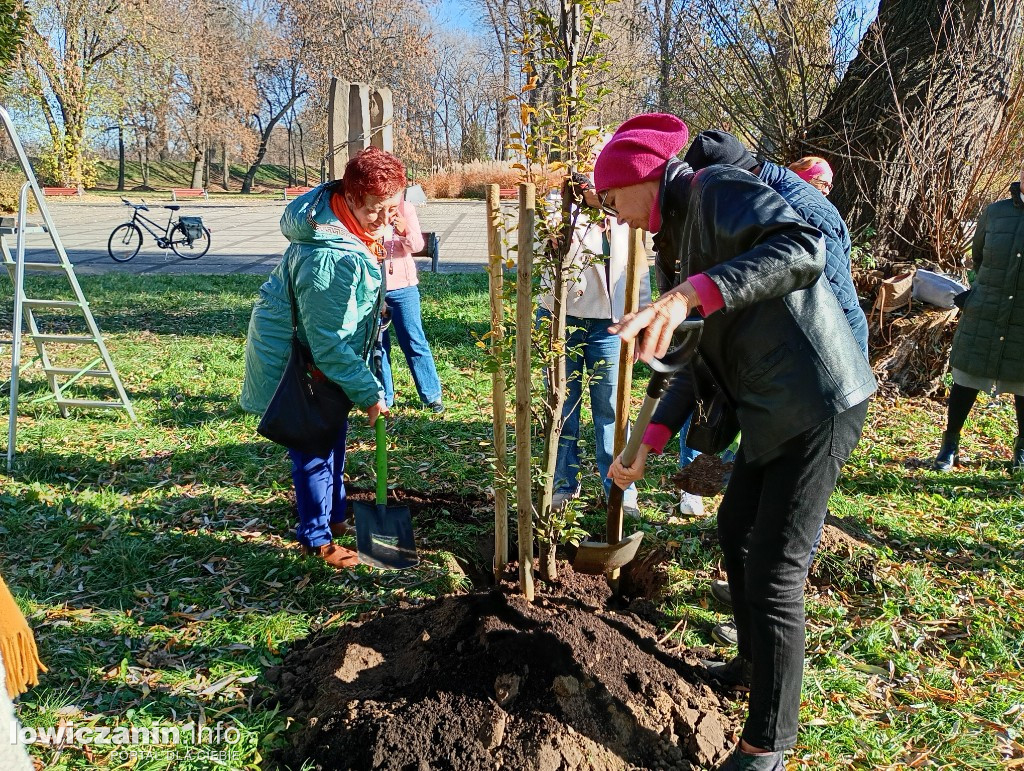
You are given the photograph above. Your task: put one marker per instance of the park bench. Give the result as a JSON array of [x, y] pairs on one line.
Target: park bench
[[431, 248], [54, 191], [189, 192], [508, 192], [295, 191]]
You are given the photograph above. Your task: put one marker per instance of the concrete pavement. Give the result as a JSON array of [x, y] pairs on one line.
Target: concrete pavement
[[244, 236]]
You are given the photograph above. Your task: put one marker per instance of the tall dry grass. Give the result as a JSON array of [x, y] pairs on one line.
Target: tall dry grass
[[470, 180]]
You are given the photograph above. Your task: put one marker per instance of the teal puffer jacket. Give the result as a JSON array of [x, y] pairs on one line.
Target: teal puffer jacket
[[337, 284], [989, 341]]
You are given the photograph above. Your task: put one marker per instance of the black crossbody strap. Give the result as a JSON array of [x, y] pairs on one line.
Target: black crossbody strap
[[291, 299]]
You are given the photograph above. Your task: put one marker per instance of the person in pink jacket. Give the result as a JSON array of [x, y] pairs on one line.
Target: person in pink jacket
[[403, 302]]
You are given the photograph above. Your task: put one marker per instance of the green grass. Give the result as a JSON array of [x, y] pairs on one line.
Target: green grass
[[167, 174], [157, 566]]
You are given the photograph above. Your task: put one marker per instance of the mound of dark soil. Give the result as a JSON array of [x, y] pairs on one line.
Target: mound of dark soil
[[490, 681]]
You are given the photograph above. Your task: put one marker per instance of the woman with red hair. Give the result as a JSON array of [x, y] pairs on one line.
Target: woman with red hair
[[332, 269]]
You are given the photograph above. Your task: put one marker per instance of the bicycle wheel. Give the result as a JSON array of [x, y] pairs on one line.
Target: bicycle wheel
[[125, 242], [187, 248]]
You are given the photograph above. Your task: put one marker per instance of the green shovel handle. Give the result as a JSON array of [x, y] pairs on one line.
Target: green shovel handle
[[382, 462]]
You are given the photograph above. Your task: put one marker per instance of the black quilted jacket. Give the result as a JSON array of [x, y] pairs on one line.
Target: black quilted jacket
[[989, 342], [781, 348]]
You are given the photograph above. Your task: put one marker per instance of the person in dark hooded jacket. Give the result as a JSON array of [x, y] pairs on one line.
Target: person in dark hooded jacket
[[720, 147], [711, 147]]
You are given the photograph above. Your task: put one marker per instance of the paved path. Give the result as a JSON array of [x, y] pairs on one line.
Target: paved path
[[245, 236]]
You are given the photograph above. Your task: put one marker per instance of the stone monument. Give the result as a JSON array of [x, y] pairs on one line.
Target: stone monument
[[358, 115]]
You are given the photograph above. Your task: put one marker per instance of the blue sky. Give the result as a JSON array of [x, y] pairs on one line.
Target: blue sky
[[457, 14]]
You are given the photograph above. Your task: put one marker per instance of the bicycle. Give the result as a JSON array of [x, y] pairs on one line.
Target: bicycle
[[188, 237]]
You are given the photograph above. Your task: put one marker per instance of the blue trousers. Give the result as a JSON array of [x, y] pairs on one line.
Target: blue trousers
[[407, 323], [319, 491], [593, 347]]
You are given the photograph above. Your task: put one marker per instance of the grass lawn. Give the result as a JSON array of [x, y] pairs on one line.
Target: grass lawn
[[157, 566]]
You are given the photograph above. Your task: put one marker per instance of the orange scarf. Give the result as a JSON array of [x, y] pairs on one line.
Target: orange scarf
[[344, 214], [17, 646]]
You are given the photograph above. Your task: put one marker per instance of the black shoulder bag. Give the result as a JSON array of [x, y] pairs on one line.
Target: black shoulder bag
[[714, 424], [307, 410]]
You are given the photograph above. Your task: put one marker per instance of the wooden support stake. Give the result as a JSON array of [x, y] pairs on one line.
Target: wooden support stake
[[494, 224], [636, 264], [524, 333]]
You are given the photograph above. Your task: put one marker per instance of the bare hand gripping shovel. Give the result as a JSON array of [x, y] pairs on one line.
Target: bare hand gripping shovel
[[596, 557], [384, 533]]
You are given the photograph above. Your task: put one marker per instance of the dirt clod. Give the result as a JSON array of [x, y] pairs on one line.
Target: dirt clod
[[705, 476]]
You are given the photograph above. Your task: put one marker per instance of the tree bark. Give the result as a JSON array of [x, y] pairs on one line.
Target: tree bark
[[197, 167], [225, 166], [913, 120]]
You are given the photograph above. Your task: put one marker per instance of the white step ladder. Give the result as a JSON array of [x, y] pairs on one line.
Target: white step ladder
[[26, 308]]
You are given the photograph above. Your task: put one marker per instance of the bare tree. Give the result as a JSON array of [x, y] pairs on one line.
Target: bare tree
[[919, 118], [67, 44]]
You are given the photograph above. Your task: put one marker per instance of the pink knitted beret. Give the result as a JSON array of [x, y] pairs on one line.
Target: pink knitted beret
[[639, 150]]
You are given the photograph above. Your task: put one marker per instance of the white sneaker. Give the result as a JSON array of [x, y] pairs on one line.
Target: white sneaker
[[558, 500], [629, 499], [691, 505]]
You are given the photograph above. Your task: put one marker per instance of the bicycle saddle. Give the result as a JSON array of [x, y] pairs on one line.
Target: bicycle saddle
[[172, 208]]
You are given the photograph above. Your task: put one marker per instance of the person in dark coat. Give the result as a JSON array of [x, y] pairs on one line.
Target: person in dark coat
[[711, 147], [779, 347], [988, 349]]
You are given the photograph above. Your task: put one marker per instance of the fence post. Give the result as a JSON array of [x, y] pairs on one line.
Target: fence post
[[494, 261], [524, 334]]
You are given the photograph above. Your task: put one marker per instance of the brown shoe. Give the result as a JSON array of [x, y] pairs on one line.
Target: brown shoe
[[348, 527], [336, 556]]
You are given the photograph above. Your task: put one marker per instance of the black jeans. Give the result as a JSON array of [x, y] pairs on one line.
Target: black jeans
[[767, 523]]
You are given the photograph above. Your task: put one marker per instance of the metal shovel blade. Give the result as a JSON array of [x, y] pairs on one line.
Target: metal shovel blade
[[596, 558], [384, 536], [384, 533]]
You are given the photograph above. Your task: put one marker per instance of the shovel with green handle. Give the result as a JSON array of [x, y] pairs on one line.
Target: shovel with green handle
[[384, 535]]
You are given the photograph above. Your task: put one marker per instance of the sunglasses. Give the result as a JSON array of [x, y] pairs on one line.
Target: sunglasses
[[602, 199]]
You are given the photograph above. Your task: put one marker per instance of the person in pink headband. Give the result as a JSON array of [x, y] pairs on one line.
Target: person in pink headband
[[814, 171]]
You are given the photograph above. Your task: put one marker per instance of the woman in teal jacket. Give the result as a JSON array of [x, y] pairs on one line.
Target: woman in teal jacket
[[336, 233]]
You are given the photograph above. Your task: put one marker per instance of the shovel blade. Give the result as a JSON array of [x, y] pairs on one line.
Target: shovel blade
[[596, 558], [384, 536]]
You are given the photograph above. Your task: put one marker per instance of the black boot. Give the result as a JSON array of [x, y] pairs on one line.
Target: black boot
[[949, 453], [1018, 455]]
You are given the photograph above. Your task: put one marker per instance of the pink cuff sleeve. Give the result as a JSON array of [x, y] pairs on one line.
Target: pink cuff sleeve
[[656, 437], [708, 293]]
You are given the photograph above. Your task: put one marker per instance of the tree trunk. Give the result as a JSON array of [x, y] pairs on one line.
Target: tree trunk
[[261, 151], [197, 167], [120, 157], [548, 562], [302, 155], [226, 168], [569, 27], [913, 121]]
